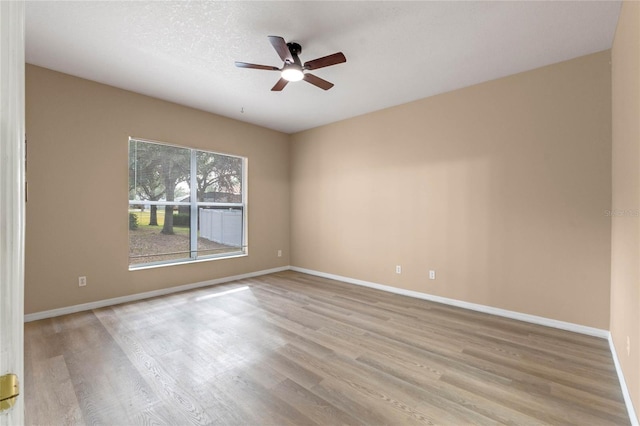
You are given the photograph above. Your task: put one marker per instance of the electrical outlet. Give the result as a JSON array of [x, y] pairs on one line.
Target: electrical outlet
[[398, 269], [279, 253], [628, 346], [82, 281], [432, 274]]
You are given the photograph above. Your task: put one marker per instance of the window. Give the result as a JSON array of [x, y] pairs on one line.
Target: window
[[184, 204]]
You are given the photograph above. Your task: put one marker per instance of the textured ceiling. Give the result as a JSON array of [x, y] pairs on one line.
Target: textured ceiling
[[396, 52]]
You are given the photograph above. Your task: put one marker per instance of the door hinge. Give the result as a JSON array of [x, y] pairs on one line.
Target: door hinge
[[9, 391]]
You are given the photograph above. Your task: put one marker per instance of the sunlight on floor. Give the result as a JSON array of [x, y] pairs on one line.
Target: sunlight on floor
[[222, 293]]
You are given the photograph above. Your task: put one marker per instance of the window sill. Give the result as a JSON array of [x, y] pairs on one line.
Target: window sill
[[184, 262]]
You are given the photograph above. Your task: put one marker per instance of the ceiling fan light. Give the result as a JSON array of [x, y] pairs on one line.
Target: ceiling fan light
[[292, 74]]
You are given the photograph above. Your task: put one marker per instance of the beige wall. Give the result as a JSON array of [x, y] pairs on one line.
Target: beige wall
[[625, 236], [77, 134], [500, 187]]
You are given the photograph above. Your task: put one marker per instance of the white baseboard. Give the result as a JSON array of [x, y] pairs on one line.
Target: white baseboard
[[146, 295], [577, 328], [453, 302], [623, 384]]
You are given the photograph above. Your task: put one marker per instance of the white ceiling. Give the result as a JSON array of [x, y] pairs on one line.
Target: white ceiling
[[396, 52]]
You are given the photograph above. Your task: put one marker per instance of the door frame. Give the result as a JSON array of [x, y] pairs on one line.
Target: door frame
[[12, 199]]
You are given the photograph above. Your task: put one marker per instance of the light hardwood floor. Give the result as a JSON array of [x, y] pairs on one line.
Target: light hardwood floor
[[290, 348]]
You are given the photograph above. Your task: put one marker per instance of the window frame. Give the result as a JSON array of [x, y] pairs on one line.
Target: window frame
[[194, 206]]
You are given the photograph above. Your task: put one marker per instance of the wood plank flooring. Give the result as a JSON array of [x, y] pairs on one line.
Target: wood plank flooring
[[293, 349]]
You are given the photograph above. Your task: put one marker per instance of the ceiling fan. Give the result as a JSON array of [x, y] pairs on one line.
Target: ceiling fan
[[293, 69]]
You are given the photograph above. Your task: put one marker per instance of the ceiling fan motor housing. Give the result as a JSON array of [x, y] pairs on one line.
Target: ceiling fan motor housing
[[295, 50]]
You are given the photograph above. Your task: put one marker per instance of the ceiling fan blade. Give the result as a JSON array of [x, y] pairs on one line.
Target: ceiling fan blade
[[317, 81], [256, 67], [281, 47], [326, 61], [279, 85]]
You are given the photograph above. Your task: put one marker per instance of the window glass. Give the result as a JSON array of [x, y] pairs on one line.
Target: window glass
[[165, 224]]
